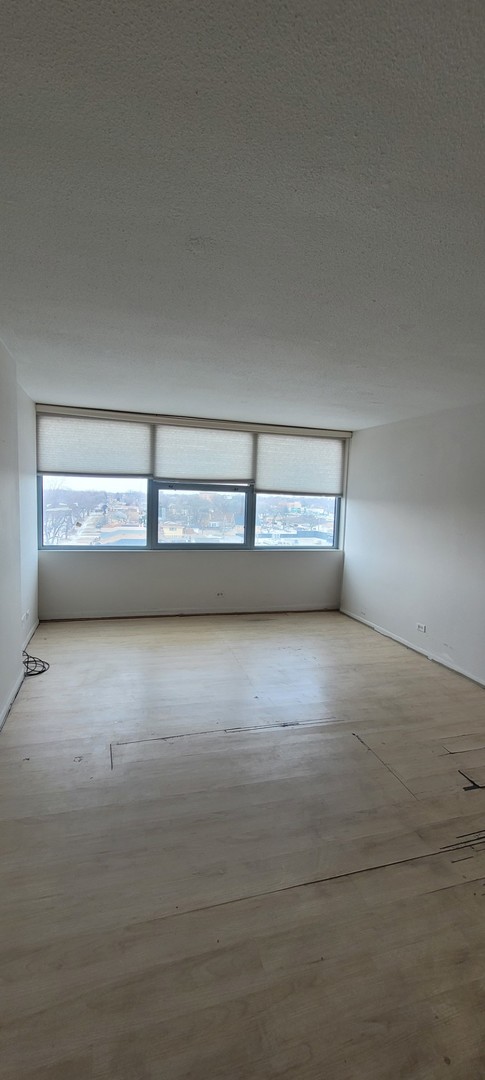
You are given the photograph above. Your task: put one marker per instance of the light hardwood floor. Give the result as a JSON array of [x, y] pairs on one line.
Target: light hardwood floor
[[241, 848]]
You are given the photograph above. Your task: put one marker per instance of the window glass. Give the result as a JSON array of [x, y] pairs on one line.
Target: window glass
[[201, 517], [94, 511], [295, 521]]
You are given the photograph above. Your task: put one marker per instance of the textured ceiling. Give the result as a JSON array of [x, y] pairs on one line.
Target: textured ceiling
[[250, 210]]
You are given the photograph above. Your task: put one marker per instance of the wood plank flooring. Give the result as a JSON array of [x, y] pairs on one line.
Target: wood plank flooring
[[241, 848]]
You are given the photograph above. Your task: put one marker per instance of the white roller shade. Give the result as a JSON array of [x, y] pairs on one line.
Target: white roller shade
[[185, 453], [295, 464], [83, 445]]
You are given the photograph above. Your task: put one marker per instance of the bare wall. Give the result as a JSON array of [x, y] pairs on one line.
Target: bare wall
[[28, 514], [10, 620], [415, 534], [94, 584]]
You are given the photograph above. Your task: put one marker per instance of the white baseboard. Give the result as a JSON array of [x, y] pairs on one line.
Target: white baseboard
[[53, 616], [4, 711], [30, 634], [415, 648], [11, 698]]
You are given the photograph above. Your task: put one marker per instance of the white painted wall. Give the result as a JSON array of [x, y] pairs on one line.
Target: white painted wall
[[28, 514], [415, 534], [94, 584], [11, 670]]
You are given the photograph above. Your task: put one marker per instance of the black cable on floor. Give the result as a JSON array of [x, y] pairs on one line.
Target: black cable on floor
[[34, 666]]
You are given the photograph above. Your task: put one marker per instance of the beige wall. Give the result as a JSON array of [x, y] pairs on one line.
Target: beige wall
[[28, 514], [415, 534], [18, 529], [10, 615], [93, 584]]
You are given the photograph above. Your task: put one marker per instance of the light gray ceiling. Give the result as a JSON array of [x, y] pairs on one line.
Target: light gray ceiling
[[252, 210]]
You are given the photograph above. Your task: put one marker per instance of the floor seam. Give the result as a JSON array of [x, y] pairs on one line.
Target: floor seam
[[304, 884], [386, 766]]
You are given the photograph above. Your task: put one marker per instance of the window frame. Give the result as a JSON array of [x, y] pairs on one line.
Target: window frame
[[154, 486], [152, 543], [334, 546], [85, 547]]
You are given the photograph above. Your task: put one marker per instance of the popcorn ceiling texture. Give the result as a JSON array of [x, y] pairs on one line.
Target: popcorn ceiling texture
[[250, 210]]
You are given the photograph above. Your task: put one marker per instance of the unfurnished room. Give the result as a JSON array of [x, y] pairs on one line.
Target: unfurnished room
[[242, 540]]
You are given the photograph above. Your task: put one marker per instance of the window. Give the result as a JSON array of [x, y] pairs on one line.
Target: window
[[85, 445], [189, 515], [296, 521], [132, 481], [303, 464], [184, 453], [94, 511]]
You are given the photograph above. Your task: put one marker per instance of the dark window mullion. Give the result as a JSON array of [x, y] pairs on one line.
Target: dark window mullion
[[336, 521], [40, 511], [250, 518], [152, 514]]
